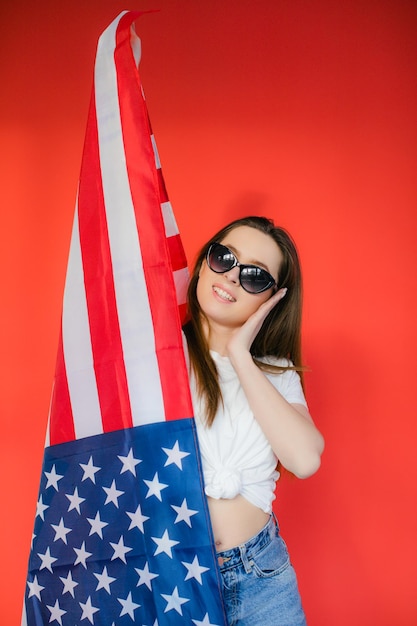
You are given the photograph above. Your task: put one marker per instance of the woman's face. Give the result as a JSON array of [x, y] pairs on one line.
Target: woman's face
[[221, 297]]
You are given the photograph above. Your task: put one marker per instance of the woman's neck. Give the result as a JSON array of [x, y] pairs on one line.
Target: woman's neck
[[217, 337]]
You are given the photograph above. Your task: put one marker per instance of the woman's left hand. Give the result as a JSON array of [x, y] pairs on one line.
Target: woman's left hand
[[243, 337]]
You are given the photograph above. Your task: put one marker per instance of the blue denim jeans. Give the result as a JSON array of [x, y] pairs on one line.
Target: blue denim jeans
[[259, 583]]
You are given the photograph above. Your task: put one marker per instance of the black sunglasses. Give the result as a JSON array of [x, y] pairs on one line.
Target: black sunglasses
[[252, 278]]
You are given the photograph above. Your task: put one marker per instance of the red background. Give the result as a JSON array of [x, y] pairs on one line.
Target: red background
[[303, 111]]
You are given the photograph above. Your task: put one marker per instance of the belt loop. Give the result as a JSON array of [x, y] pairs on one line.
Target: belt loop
[[246, 564]]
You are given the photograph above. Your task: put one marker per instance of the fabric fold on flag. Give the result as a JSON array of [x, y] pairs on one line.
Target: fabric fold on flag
[[122, 532]]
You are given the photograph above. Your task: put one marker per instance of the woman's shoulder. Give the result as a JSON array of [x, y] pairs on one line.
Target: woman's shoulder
[[285, 378]]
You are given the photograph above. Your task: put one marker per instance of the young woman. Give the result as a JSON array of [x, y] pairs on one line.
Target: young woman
[[243, 341]]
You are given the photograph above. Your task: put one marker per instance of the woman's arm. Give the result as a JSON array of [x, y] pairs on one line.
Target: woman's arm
[[289, 428]]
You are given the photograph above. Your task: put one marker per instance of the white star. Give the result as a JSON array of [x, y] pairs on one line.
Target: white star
[[195, 570], [41, 508], [56, 613], [60, 531], [88, 610], [113, 494], [145, 576], [47, 560], [82, 555], [75, 500], [90, 470], [69, 584], [204, 622], [120, 550], [129, 463], [128, 606], [164, 544], [155, 487], [35, 588], [137, 519], [175, 455], [104, 580], [183, 513], [174, 601], [53, 478], [96, 525]]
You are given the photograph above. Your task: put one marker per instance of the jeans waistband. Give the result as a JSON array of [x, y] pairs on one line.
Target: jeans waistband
[[242, 554]]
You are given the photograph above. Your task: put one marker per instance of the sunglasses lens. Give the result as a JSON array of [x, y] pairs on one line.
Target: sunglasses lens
[[220, 258], [255, 279]]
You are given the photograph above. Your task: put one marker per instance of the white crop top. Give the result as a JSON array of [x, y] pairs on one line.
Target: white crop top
[[236, 456]]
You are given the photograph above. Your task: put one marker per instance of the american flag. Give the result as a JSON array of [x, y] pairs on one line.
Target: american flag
[[122, 533]]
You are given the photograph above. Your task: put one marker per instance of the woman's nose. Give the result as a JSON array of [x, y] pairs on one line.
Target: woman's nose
[[233, 274]]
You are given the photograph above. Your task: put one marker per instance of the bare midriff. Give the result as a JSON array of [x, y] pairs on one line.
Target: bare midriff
[[234, 521]]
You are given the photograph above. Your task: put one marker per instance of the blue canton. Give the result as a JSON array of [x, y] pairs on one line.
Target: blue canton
[[122, 533]]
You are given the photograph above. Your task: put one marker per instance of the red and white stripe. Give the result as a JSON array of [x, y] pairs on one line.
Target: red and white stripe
[[120, 358]]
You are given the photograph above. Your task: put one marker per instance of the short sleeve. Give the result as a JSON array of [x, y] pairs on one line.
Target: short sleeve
[[288, 383]]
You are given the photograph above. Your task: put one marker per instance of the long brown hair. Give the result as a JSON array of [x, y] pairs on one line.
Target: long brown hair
[[280, 335]]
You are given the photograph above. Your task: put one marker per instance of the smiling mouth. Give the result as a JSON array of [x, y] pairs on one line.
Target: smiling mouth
[[223, 294]]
